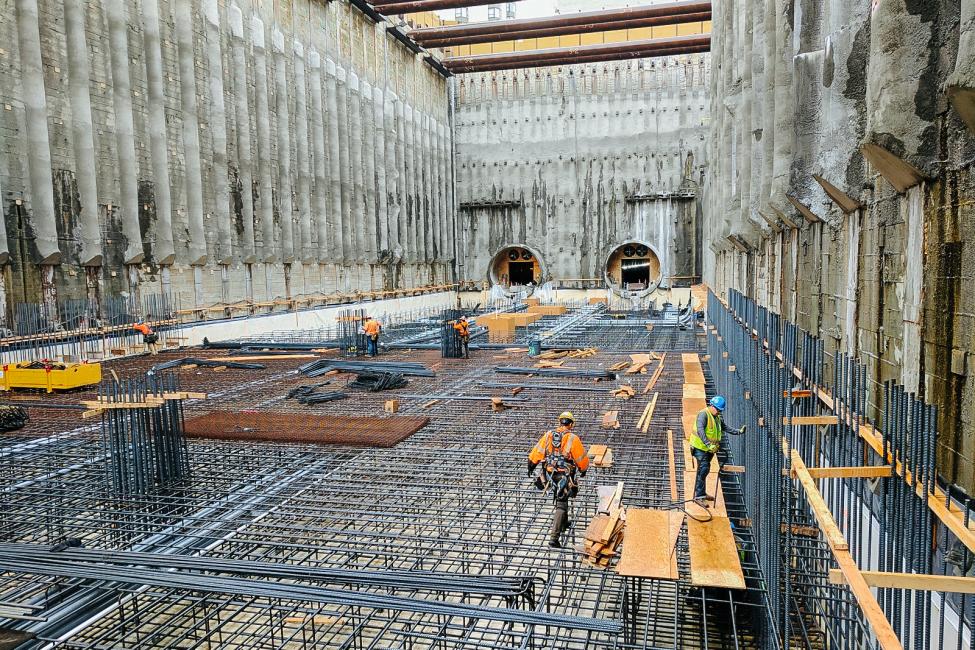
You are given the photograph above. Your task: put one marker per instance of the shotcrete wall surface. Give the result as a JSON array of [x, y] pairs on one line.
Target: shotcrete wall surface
[[860, 235], [572, 161], [128, 156]]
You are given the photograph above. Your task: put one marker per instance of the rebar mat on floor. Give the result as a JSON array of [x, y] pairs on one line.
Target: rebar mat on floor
[[358, 431]]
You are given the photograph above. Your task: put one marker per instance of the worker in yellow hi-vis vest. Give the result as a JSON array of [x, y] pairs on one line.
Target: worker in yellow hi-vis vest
[[705, 442]]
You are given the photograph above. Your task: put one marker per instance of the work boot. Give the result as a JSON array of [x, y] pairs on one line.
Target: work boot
[[701, 501], [709, 497], [555, 543]]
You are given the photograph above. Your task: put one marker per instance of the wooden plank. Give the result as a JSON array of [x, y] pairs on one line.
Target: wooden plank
[[643, 416], [807, 420], [695, 391], [872, 471], [714, 554], [650, 544], [911, 581], [733, 469], [610, 420], [597, 451], [673, 468], [834, 537], [797, 393], [646, 420]]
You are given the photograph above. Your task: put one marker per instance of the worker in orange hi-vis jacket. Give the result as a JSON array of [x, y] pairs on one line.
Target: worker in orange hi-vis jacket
[[463, 328], [561, 454], [371, 328], [149, 338]]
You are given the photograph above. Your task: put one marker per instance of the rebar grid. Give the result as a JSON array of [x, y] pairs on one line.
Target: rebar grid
[[453, 498], [886, 522]]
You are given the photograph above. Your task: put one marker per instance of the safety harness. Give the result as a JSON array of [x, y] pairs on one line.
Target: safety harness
[[559, 470]]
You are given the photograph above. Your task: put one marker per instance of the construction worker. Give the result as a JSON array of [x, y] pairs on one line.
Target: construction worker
[[463, 328], [149, 338], [705, 442], [371, 328], [560, 453]]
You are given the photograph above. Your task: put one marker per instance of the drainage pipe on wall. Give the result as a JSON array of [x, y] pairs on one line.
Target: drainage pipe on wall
[[382, 198], [285, 209], [334, 214], [301, 149], [218, 133], [242, 117], [369, 175], [357, 200], [164, 249], [81, 132], [263, 119], [39, 147], [341, 120], [319, 155], [196, 246]]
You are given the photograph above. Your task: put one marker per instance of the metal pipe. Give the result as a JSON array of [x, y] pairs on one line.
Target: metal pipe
[[414, 6], [632, 49], [622, 56], [588, 28], [580, 19]]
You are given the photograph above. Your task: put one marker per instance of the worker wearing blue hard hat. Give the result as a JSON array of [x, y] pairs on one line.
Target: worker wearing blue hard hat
[[705, 442]]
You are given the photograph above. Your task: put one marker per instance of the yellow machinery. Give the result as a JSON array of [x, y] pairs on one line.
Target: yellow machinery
[[50, 376]]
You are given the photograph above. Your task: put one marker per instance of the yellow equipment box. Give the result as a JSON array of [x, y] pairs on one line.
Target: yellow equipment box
[[50, 376]]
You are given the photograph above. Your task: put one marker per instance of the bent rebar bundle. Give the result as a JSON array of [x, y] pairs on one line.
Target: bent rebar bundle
[[143, 442], [319, 367]]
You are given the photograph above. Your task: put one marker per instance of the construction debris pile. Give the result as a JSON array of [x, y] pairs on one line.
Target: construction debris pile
[[605, 530], [12, 418], [309, 394]]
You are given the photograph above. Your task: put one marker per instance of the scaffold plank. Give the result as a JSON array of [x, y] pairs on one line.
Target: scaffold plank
[[650, 544], [714, 554]]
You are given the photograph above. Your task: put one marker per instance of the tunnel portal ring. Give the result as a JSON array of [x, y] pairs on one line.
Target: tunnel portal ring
[[502, 254], [617, 289]]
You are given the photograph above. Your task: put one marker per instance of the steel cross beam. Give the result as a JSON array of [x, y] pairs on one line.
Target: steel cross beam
[[581, 54]]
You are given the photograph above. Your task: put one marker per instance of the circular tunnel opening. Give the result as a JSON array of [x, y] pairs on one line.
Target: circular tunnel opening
[[633, 268], [514, 267]]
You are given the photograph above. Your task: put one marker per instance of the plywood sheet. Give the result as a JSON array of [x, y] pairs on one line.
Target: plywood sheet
[[694, 391], [650, 544], [714, 554]]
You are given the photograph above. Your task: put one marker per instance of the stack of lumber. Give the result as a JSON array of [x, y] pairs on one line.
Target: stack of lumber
[[547, 310], [549, 364], [624, 392], [605, 530], [601, 455], [622, 365], [610, 420], [639, 362], [584, 353]]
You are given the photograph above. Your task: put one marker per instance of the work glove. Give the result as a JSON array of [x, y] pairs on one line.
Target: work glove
[[531, 468], [582, 473], [741, 431], [712, 448]]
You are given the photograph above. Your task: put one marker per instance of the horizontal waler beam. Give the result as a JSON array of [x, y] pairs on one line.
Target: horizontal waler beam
[[581, 54], [562, 21], [912, 581]]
